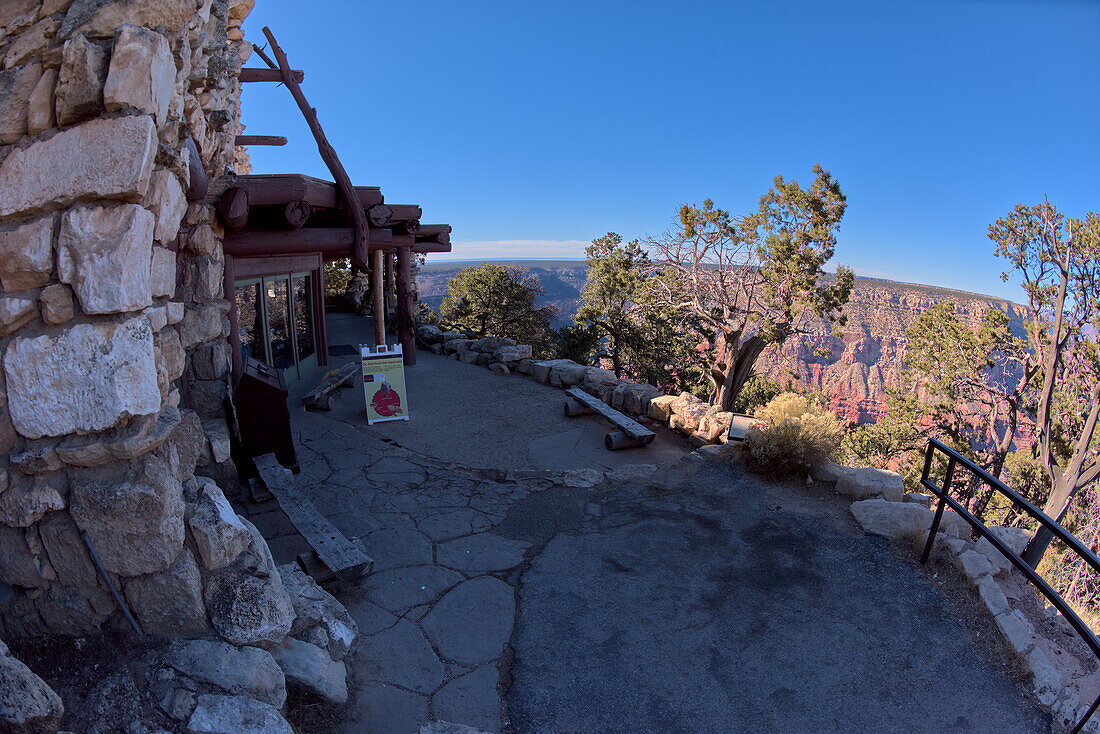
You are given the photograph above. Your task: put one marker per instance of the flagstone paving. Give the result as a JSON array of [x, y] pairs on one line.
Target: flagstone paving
[[688, 596]]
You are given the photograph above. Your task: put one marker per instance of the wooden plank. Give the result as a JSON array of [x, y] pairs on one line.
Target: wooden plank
[[270, 189], [339, 554], [268, 75], [328, 385], [422, 248], [259, 140], [630, 427], [329, 241]]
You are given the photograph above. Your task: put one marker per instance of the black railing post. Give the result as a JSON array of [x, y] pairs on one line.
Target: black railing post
[[947, 477]]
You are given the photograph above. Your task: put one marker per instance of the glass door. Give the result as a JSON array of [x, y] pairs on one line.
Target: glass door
[[275, 322]]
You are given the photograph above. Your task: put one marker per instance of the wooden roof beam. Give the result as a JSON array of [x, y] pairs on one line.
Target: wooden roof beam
[[268, 75], [259, 140]]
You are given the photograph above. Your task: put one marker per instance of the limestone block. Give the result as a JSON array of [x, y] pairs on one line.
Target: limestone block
[[490, 344], [566, 373], [15, 313], [101, 159], [133, 514], [596, 378], [315, 607], [203, 240], [469, 356], [168, 344], [140, 436], [1016, 631], [168, 203], [31, 42], [309, 667], [158, 318], [239, 9], [169, 602], [540, 371], [973, 565], [26, 255], [74, 612], [235, 715], [79, 89], [87, 379], [513, 354], [57, 304], [660, 407], [829, 471], [36, 457], [66, 550], [247, 671], [104, 254], [200, 324], [28, 498], [924, 500], [219, 534], [691, 413], [524, 366], [992, 596], [1015, 538], [162, 273], [40, 115], [101, 19], [175, 311], [27, 704], [1046, 680], [903, 520], [212, 360], [16, 87], [209, 279], [500, 369], [15, 15], [864, 483], [437, 348], [246, 600], [458, 345], [142, 73], [429, 334], [638, 397]]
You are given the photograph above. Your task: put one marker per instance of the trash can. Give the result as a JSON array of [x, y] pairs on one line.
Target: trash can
[[262, 415]]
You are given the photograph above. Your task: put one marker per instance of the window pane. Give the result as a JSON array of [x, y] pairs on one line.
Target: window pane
[[248, 321], [278, 321], [302, 287]]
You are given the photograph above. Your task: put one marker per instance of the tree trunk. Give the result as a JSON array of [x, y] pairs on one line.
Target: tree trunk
[[1058, 503], [738, 371]]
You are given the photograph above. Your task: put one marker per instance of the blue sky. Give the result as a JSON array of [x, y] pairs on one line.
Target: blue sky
[[533, 128]]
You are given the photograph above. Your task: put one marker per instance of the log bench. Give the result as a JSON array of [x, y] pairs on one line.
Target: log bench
[[631, 433], [321, 397], [334, 557]]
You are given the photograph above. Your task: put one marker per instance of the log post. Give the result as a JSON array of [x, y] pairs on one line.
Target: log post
[[328, 155], [233, 208], [390, 293], [406, 305], [234, 318], [296, 213], [378, 301]]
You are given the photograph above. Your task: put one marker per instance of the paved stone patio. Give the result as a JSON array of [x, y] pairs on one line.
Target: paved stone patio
[[608, 595]]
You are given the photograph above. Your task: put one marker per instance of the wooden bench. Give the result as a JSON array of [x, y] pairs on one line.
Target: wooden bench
[[334, 557], [631, 433], [321, 397]]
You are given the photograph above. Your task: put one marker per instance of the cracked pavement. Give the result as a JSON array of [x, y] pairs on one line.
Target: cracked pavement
[[688, 597]]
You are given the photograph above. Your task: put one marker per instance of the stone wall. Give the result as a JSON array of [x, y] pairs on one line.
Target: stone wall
[[116, 365]]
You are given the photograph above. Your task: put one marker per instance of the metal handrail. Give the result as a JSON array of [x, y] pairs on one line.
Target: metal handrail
[[954, 458]]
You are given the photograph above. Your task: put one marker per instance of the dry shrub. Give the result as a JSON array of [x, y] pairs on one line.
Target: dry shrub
[[800, 433]]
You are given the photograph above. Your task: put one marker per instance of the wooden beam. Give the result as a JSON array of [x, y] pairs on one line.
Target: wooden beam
[[233, 208], [259, 140], [268, 75], [427, 230], [405, 306], [403, 212], [328, 154], [378, 300], [296, 214], [379, 215], [269, 189], [424, 248], [329, 241]]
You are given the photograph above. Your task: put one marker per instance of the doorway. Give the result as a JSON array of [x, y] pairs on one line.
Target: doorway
[[276, 321]]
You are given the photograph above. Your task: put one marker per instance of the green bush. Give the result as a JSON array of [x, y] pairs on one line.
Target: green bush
[[800, 433]]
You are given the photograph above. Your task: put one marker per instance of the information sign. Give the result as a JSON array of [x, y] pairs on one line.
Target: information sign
[[384, 383]]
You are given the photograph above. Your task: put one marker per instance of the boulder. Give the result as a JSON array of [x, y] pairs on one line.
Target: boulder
[[142, 73], [32, 42], [1015, 538], [597, 381], [490, 344], [219, 534], [247, 602], [79, 91], [524, 366], [26, 255], [481, 359], [27, 704], [457, 345], [243, 671], [973, 565], [88, 379], [904, 520], [469, 356], [16, 88], [513, 354], [104, 254], [447, 336], [315, 607], [15, 313], [169, 602], [691, 414], [57, 304], [429, 334], [567, 374], [162, 274], [28, 498], [66, 550], [101, 159], [20, 567], [660, 407], [500, 368], [638, 398], [133, 514], [309, 667], [200, 324], [714, 425], [924, 500], [540, 371], [437, 348], [235, 715], [865, 483]]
